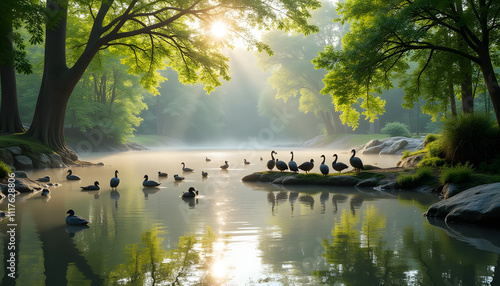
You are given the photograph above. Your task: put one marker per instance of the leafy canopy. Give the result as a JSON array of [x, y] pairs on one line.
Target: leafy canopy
[[383, 37], [176, 33]]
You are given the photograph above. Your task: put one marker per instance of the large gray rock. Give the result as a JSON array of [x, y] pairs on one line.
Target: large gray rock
[[478, 205], [43, 162], [56, 161], [24, 185], [394, 147], [6, 156], [15, 150], [348, 181], [22, 162], [410, 162]]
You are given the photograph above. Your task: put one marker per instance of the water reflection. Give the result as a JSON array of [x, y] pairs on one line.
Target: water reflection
[[285, 235], [149, 263]]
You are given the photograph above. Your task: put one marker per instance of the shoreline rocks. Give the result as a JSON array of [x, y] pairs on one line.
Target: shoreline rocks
[[477, 205], [17, 159], [393, 145]]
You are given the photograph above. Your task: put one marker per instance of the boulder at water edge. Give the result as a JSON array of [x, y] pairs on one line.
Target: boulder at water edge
[[478, 205]]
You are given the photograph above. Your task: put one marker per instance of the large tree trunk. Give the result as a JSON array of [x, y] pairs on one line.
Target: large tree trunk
[[10, 121], [57, 85], [325, 116]]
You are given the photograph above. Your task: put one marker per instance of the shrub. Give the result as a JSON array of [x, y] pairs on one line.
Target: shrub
[[430, 138], [432, 162], [470, 138], [396, 129], [458, 174], [4, 170]]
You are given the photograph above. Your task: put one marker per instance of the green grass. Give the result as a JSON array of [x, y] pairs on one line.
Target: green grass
[[149, 140], [4, 170], [422, 176], [28, 145]]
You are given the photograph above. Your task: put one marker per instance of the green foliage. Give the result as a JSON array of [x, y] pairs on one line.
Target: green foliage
[[406, 154], [470, 138], [458, 174], [423, 175], [4, 170], [492, 167], [429, 161], [430, 138], [396, 129], [386, 36]]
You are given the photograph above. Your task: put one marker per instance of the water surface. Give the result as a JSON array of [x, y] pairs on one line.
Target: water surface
[[235, 233]]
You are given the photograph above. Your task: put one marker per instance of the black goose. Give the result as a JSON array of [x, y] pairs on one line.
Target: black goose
[[355, 162], [271, 163], [323, 167], [307, 166], [338, 166]]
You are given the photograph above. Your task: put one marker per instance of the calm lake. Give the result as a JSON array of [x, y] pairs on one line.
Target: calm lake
[[235, 233]]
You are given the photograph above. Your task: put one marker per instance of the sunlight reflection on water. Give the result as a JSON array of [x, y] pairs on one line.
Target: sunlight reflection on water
[[265, 234]]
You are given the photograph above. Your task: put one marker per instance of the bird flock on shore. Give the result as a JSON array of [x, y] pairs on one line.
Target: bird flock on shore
[[280, 165], [307, 166]]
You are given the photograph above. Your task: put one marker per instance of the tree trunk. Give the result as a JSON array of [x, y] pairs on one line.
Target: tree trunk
[[491, 82], [10, 121], [466, 87], [58, 82], [453, 105], [328, 124]]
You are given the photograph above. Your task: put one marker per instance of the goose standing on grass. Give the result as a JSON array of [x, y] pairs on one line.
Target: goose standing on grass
[[148, 183], [162, 174], [355, 162], [191, 193], [246, 162], [338, 166], [70, 176], [292, 164], [178, 178], [114, 182], [271, 163], [44, 179], [225, 166], [280, 165], [324, 167], [184, 169], [73, 219], [94, 187], [307, 166]]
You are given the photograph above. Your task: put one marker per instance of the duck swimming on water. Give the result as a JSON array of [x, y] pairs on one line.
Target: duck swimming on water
[[148, 183], [94, 187], [70, 176], [191, 193], [73, 219], [184, 169]]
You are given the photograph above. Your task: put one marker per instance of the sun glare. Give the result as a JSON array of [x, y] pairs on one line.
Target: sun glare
[[218, 29]]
